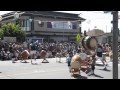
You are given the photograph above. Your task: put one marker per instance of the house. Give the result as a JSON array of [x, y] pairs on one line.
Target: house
[[47, 25], [95, 32], [105, 38]]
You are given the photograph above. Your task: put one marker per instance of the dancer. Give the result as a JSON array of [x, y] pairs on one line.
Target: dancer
[[101, 56]]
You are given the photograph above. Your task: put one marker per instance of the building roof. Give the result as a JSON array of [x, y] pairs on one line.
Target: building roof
[[95, 32], [47, 13], [105, 34]]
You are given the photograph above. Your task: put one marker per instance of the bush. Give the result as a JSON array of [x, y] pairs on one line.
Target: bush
[[12, 30]]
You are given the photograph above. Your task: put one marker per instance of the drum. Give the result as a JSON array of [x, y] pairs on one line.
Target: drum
[[75, 65], [89, 42], [83, 56], [43, 54], [75, 68], [81, 63], [76, 58], [25, 54]]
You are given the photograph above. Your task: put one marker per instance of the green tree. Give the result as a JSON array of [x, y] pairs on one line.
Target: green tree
[[13, 30], [1, 33]]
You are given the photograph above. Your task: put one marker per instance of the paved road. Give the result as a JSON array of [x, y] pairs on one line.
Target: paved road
[[51, 70]]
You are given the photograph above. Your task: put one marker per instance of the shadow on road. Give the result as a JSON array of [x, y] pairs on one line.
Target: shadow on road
[[105, 69], [45, 61], [79, 77], [99, 65], [95, 75], [24, 62], [59, 62], [36, 63]]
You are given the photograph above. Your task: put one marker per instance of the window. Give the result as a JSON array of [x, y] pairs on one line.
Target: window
[[74, 25], [26, 25], [58, 25], [61, 25], [49, 25]]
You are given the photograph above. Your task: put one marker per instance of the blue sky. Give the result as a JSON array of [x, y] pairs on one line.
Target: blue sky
[[93, 18]]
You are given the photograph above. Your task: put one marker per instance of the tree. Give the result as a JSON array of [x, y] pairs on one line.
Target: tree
[[12, 30], [1, 33]]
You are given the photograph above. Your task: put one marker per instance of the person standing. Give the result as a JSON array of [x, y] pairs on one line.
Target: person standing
[[3, 54], [14, 56], [101, 56], [69, 57], [93, 55]]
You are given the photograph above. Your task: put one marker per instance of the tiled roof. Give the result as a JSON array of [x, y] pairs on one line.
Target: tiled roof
[[48, 13]]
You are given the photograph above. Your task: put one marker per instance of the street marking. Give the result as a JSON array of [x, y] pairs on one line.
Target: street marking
[[37, 71]]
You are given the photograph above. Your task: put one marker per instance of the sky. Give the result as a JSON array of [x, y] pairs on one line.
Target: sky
[[94, 19]]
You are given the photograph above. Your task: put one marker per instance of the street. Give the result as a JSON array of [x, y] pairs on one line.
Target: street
[[51, 70]]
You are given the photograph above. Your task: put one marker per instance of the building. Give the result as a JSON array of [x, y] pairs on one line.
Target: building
[[95, 32], [105, 38], [47, 25]]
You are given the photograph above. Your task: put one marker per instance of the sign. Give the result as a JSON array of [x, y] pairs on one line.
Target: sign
[[9, 39], [78, 37]]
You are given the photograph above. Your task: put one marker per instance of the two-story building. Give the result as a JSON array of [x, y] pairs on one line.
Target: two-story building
[[47, 25]]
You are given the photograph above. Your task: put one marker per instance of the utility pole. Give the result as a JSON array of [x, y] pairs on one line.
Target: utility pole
[[115, 44]]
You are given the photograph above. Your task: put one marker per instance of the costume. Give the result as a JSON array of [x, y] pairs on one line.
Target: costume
[[85, 60]]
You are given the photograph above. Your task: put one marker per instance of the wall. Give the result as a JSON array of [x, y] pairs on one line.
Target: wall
[[38, 28], [104, 38], [59, 38], [95, 32]]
